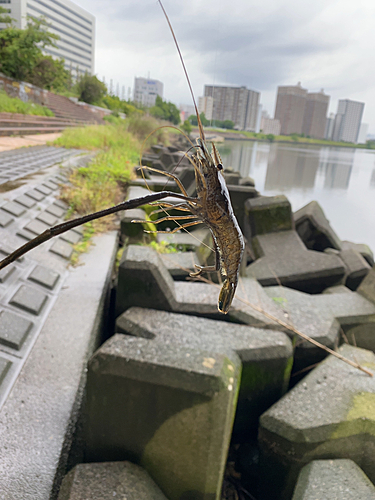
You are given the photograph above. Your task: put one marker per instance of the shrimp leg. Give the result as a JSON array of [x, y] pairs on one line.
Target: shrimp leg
[[177, 228], [208, 269], [163, 219]]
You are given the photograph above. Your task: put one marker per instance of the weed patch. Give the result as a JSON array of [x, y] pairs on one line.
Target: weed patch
[[14, 105]]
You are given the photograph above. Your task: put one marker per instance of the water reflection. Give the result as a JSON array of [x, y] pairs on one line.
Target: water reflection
[[340, 179], [372, 180], [288, 169]]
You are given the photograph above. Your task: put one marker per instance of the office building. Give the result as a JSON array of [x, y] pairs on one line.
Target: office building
[[290, 108], [238, 104], [348, 120], [362, 136], [205, 105], [269, 125], [146, 90], [315, 116], [74, 26], [330, 122]]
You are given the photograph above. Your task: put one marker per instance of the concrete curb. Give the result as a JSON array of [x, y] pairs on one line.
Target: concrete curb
[[38, 419]]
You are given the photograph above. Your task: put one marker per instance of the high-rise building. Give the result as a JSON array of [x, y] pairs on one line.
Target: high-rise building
[[290, 108], [362, 136], [238, 104], [348, 120], [146, 90], [205, 105], [269, 125], [314, 119], [330, 122], [74, 25]]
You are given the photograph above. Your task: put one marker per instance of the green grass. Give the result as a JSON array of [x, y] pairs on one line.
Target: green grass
[[14, 105], [104, 181]]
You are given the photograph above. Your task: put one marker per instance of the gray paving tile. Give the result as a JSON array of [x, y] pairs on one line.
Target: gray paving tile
[[35, 195], [26, 201], [56, 211], [44, 276], [5, 364], [29, 299], [47, 218], [50, 185], [61, 204], [24, 233], [13, 330], [36, 227], [5, 219], [78, 229], [5, 250], [14, 208], [61, 248], [6, 272], [42, 189], [71, 237]]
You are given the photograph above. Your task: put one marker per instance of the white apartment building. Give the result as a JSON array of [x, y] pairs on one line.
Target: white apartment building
[[238, 104], [269, 125], [74, 26], [206, 105], [146, 90], [348, 120]]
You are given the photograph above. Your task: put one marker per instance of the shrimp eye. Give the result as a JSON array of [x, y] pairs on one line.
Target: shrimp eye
[[219, 166]]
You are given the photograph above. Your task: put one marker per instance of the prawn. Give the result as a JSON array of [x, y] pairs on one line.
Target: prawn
[[212, 206]]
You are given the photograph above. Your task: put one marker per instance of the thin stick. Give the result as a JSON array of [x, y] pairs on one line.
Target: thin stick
[[66, 226]]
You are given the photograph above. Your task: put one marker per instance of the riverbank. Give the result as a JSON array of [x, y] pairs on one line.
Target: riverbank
[[241, 135]]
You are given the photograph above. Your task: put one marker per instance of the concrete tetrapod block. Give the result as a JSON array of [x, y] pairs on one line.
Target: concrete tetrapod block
[[267, 214], [238, 196], [129, 229], [266, 359], [109, 480], [357, 267], [144, 281], [329, 414], [315, 229], [367, 287], [339, 479], [323, 318], [362, 248], [168, 408], [284, 259]]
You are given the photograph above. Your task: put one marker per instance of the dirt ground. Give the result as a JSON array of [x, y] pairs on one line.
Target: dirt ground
[[14, 142]]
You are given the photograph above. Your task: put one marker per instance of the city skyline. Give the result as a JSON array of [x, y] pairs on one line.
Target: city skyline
[[327, 44]]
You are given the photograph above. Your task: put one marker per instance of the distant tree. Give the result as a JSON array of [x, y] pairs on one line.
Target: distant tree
[[165, 110], [228, 124], [294, 137], [21, 49], [90, 89], [194, 121], [51, 74], [5, 17], [186, 127], [270, 137]]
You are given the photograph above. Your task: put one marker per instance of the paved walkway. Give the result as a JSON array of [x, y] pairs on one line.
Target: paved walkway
[[14, 142], [18, 163]]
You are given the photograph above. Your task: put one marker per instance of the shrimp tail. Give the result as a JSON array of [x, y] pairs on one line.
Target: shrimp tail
[[226, 296]]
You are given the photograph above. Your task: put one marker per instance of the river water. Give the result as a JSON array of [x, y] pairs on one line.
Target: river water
[[342, 180]]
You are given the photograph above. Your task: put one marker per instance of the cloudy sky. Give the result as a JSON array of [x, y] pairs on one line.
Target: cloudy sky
[[325, 44]]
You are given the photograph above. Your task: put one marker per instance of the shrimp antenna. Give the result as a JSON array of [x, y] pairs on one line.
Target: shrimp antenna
[[200, 126]]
